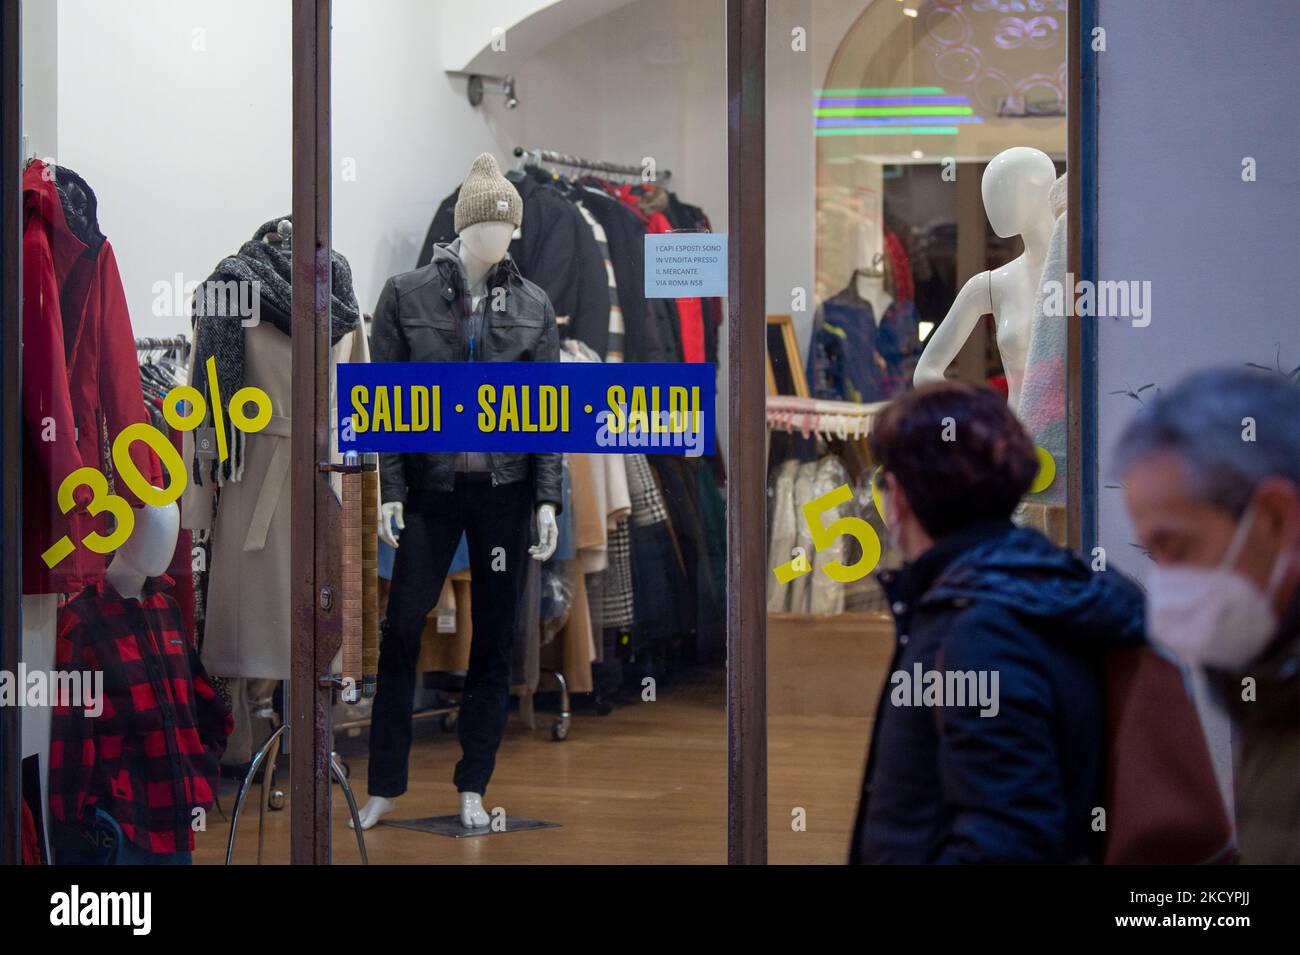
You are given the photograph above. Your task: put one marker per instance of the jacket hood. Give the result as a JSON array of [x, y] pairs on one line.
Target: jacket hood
[[44, 200], [447, 258], [1026, 573]]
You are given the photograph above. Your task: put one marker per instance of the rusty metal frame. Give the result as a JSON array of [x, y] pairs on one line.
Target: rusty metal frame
[[315, 556], [747, 434], [1082, 483]]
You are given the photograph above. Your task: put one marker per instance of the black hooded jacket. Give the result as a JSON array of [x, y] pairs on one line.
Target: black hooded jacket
[[945, 784]]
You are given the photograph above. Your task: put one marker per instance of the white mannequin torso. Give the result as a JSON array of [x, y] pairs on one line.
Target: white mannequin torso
[[147, 552], [873, 290], [1015, 189]]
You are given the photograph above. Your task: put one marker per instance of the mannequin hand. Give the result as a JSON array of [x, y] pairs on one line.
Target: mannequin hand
[[390, 514], [548, 534]]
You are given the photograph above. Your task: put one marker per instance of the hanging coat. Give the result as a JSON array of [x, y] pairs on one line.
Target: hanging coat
[[81, 376], [246, 631]]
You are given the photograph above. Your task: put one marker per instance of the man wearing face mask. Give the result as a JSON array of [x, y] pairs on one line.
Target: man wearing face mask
[[1211, 474], [1014, 778]]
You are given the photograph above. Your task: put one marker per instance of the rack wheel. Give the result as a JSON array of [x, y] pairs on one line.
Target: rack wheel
[[276, 799], [347, 769], [448, 722], [560, 730]]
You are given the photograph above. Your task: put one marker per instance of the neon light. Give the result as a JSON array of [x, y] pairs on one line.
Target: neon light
[[890, 131], [896, 101], [895, 111], [889, 121]]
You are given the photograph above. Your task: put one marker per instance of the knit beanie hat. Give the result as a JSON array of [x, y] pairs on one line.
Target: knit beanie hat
[[487, 196]]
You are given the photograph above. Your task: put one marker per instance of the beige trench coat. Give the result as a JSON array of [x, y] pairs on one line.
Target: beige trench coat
[[247, 626]]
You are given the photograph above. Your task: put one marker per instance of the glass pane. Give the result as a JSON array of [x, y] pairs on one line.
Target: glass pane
[[912, 147], [467, 256], [156, 558]]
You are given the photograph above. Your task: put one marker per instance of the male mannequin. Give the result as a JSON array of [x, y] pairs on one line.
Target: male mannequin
[[468, 304], [482, 246], [1015, 189]]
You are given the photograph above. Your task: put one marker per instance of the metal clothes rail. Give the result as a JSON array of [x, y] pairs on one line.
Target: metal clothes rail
[[537, 156]]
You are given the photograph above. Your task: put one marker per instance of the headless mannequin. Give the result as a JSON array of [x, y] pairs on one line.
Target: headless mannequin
[[1015, 188], [872, 289], [482, 246], [147, 552]]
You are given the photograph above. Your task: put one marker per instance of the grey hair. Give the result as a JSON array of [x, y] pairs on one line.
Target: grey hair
[[1205, 420]]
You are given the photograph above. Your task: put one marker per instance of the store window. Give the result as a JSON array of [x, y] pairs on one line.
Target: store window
[[156, 410], [552, 646], [535, 648], [932, 135]]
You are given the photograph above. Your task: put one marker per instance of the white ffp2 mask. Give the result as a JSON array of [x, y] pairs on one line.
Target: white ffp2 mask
[[1214, 616]]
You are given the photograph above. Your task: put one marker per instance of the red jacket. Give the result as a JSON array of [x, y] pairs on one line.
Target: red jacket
[[81, 377], [690, 312]]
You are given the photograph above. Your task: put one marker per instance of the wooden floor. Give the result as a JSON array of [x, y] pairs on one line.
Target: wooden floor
[[646, 784]]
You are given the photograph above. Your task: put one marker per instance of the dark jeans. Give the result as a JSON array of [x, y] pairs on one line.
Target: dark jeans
[[491, 518]]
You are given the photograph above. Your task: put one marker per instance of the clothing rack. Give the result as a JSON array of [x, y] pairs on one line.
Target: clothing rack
[[809, 416], [533, 157], [161, 344]]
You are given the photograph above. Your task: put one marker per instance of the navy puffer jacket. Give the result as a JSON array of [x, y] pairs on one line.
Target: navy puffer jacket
[[1000, 609]]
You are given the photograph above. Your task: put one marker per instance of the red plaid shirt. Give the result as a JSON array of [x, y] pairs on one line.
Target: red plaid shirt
[[151, 756]]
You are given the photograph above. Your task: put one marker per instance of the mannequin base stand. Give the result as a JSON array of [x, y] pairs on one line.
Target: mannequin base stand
[[268, 754]]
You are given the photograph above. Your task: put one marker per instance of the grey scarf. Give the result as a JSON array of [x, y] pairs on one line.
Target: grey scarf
[[259, 275]]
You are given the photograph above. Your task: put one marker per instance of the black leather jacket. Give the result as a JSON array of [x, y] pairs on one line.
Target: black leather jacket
[[423, 316]]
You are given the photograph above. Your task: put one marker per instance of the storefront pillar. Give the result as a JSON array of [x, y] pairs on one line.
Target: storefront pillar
[[315, 554], [747, 444]]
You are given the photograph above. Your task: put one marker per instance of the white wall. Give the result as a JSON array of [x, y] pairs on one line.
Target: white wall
[[792, 76], [1178, 113], [648, 79], [177, 114], [186, 137], [40, 78], [404, 136], [1177, 116]]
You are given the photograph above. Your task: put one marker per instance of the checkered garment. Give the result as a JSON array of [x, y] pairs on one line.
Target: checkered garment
[[151, 756], [619, 609], [614, 350], [647, 500]]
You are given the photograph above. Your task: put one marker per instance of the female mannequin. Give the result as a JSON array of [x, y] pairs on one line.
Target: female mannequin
[[1015, 190]]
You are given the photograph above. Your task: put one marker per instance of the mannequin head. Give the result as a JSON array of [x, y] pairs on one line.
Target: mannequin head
[[1015, 190], [148, 551], [486, 241]]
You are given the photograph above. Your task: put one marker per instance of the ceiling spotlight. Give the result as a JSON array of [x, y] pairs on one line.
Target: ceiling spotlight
[[475, 89]]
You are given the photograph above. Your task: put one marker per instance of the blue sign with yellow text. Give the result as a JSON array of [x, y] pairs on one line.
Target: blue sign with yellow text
[[531, 407]]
